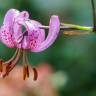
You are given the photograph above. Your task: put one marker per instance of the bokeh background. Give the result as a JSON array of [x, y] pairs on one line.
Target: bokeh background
[[68, 67]]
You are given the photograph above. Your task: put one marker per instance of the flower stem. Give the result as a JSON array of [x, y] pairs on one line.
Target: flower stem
[[71, 27], [78, 27]]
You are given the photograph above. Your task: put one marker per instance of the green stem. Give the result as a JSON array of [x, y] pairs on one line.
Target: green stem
[[78, 27]]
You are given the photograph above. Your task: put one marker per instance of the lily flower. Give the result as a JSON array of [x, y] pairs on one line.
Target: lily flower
[[13, 35]]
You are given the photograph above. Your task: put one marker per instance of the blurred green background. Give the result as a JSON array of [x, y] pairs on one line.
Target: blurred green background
[[73, 55]]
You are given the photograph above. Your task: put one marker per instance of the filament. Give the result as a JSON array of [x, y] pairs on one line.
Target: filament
[[26, 68], [35, 73], [12, 64], [13, 57]]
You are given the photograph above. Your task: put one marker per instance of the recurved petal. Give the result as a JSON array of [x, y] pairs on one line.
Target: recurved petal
[[10, 16], [18, 34], [6, 30], [35, 35], [54, 28], [24, 15], [42, 31], [6, 36]]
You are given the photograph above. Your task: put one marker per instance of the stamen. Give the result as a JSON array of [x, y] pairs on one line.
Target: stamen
[[12, 64], [33, 69], [8, 66], [35, 74], [1, 65], [13, 57], [25, 68], [24, 73], [27, 65]]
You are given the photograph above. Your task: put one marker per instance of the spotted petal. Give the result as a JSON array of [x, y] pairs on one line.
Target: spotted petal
[[54, 28], [24, 15], [34, 33], [6, 30], [10, 16]]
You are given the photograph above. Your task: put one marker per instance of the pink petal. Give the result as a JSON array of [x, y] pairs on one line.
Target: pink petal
[[54, 28], [6, 36], [10, 16], [6, 30], [42, 31], [35, 35], [18, 25], [24, 44], [18, 34], [24, 15]]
